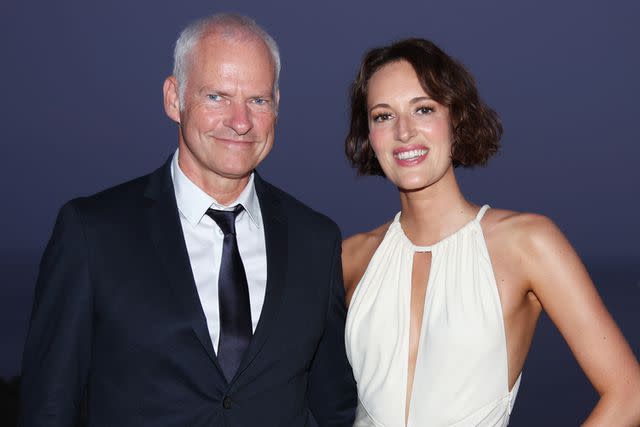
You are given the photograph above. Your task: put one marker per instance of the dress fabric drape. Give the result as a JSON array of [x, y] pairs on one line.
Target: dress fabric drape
[[461, 373]]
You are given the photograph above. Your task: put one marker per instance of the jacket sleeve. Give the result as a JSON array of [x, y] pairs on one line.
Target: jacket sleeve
[[57, 351], [332, 389]]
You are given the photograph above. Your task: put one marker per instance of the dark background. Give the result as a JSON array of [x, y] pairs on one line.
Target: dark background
[[81, 110]]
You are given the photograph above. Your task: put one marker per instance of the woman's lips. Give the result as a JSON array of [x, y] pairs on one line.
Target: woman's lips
[[410, 156]]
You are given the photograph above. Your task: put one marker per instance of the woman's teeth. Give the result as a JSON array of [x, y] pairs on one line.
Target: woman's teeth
[[409, 155]]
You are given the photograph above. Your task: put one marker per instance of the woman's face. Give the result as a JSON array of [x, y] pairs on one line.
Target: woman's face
[[409, 132]]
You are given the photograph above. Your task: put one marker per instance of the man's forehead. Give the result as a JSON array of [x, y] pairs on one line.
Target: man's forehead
[[215, 48], [231, 61]]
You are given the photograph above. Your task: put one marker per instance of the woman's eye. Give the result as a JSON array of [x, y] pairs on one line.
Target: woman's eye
[[425, 110], [382, 117]]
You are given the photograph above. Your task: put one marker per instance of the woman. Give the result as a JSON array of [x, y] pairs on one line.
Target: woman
[[443, 301]]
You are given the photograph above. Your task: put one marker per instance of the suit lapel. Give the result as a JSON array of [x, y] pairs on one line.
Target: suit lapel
[[166, 232], [276, 238]]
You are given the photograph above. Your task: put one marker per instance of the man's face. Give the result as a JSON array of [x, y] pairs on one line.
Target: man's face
[[229, 112]]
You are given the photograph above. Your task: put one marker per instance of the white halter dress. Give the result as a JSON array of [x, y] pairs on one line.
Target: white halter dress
[[461, 373]]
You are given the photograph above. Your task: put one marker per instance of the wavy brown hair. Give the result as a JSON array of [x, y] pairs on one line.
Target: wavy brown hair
[[476, 128]]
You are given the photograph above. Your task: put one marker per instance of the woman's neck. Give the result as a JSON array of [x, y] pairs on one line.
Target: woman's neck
[[435, 212]]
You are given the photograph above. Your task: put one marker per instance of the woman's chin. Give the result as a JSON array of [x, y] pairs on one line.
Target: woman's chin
[[412, 187]]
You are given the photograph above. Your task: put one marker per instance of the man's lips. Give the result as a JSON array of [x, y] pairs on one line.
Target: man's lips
[[232, 141]]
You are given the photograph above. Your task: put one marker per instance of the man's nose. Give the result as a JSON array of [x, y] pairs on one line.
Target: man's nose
[[239, 118], [405, 129]]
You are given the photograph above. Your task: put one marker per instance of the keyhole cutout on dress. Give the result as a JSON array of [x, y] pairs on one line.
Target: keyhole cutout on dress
[[419, 281]]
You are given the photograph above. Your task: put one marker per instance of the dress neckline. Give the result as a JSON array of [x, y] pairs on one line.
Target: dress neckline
[[429, 248]]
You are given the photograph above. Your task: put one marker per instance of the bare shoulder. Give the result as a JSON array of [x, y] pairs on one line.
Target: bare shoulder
[[357, 251], [552, 271], [530, 242], [525, 231]]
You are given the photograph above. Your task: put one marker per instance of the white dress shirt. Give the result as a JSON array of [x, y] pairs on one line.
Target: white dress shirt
[[204, 245]]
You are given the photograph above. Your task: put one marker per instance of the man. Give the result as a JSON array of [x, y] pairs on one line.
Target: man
[[198, 295]]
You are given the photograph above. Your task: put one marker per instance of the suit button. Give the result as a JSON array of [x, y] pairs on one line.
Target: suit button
[[227, 403]]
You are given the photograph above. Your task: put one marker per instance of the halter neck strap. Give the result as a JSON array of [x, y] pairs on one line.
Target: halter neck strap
[[481, 212]]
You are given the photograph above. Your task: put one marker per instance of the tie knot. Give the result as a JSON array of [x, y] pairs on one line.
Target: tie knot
[[226, 220]]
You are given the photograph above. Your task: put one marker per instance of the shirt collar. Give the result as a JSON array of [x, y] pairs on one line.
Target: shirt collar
[[193, 202]]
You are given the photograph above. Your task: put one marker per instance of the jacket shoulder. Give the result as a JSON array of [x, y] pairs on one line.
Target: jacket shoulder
[[121, 197]]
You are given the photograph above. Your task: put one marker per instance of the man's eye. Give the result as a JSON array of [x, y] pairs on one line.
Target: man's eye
[[382, 117], [214, 97], [260, 101]]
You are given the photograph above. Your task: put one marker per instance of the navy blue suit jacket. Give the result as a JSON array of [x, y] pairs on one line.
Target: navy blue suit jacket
[[117, 327]]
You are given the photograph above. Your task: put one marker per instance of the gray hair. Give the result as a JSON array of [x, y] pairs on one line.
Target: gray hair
[[227, 23]]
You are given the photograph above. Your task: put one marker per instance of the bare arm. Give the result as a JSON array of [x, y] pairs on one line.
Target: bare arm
[[357, 251], [561, 283], [350, 265]]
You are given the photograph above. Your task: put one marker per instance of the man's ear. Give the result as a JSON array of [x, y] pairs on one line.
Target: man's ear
[[171, 98]]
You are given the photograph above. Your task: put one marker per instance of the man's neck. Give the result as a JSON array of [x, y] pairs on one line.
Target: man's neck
[[224, 190]]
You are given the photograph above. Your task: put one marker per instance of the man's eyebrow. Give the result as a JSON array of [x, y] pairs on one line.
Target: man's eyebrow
[[209, 89], [268, 94]]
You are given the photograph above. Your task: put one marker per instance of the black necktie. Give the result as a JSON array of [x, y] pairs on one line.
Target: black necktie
[[233, 296]]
